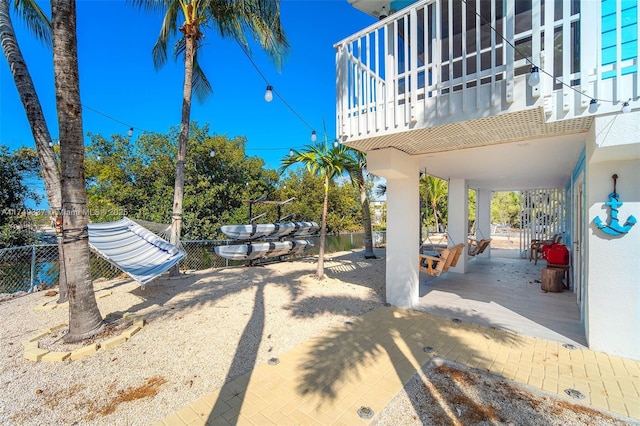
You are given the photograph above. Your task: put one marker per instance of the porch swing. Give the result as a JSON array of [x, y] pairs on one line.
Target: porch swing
[[435, 263], [477, 247]]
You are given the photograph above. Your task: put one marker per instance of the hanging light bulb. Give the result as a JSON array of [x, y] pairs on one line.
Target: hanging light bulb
[[313, 136], [626, 108], [534, 77], [336, 143], [291, 153], [268, 94], [593, 106], [130, 132], [212, 153], [51, 144]]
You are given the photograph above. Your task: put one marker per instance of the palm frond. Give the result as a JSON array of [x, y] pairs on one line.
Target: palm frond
[[153, 6], [381, 190], [199, 82], [169, 28], [35, 19]]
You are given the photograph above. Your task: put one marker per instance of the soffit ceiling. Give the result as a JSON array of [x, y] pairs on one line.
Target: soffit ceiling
[[511, 151]]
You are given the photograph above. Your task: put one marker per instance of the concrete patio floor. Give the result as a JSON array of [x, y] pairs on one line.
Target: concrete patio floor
[[504, 291]]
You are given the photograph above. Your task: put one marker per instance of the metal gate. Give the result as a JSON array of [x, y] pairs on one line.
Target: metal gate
[[542, 216]]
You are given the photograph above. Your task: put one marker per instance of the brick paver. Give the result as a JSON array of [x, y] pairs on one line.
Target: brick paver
[[327, 379]]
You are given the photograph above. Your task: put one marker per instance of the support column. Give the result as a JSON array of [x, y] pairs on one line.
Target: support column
[[483, 217], [403, 223], [458, 220]]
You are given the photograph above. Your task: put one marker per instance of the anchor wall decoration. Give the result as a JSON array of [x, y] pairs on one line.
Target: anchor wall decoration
[[614, 227]]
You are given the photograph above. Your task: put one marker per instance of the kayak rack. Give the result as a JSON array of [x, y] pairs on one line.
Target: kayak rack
[[263, 200]]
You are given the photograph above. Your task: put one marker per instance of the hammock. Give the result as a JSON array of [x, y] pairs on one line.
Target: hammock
[[135, 250]]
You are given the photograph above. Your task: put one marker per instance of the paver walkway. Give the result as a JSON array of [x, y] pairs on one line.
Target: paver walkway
[[328, 379]]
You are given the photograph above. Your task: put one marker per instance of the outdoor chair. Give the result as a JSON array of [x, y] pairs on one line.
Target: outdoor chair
[[535, 248], [435, 264], [477, 247]]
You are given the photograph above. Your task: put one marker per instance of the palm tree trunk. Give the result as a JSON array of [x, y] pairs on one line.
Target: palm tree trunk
[[37, 122], [84, 317], [323, 229], [435, 216], [366, 221], [178, 191]]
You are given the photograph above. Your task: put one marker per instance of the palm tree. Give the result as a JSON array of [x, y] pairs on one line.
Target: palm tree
[[324, 161], [356, 168], [232, 19], [40, 26], [84, 317], [436, 191]]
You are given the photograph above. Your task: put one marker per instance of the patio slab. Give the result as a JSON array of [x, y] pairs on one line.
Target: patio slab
[[504, 292], [326, 380]]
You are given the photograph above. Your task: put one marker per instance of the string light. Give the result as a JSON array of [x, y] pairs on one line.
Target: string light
[[336, 143], [626, 108], [130, 132], [593, 106], [212, 153], [268, 94], [51, 144], [313, 136], [271, 90], [290, 152], [534, 77]]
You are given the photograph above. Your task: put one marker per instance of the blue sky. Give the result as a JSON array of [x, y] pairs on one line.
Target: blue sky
[[117, 78]]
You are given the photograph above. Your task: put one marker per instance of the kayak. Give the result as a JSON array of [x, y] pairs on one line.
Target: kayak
[[270, 230], [262, 250]]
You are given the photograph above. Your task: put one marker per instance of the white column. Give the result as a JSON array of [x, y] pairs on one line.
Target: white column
[[403, 223], [483, 217], [458, 218]]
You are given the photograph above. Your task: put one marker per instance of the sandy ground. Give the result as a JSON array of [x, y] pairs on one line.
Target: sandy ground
[[212, 326]]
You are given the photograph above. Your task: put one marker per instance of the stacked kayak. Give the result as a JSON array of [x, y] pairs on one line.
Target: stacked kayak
[[274, 233], [270, 230], [263, 250]]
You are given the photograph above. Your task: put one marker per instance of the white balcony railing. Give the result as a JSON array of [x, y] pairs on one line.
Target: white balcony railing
[[438, 62]]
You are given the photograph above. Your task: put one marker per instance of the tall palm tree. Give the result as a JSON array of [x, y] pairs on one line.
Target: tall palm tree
[[84, 317], [356, 168], [231, 18], [40, 26], [327, 162]]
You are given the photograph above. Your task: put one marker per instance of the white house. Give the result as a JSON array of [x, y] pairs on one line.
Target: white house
[[540, 97]]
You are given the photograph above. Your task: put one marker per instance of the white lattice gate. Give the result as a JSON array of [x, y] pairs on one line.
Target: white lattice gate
[[542, 216]]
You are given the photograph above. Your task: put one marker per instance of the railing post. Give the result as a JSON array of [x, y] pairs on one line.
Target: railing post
[[508, 48], [33, 267]]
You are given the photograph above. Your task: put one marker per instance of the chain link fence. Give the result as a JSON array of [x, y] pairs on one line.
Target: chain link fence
[[32, 268]]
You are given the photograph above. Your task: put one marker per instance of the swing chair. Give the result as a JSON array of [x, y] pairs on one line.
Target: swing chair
[[477, 247], [436, 262]]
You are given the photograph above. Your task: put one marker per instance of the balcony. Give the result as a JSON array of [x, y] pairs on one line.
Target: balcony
[[446, 75]]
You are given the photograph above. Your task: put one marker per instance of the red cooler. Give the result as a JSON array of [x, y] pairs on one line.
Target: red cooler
[[558, 254]]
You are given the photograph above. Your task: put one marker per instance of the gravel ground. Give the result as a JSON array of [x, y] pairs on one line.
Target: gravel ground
[[212, 326], [201, 331]]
